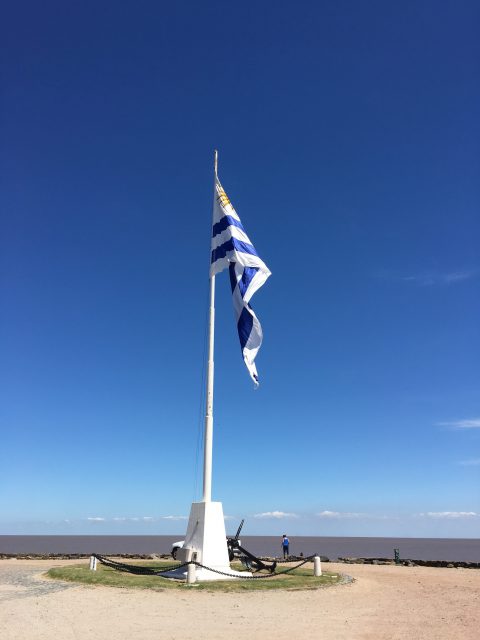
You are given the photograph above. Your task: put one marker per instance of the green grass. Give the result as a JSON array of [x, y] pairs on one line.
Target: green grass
[[301, 578]]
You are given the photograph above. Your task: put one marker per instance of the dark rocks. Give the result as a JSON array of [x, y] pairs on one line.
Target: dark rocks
[[78, 556], [290, 558], [302, 557], [413, 563]]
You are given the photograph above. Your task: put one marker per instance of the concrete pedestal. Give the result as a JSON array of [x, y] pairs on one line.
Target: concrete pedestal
[[206, 542]]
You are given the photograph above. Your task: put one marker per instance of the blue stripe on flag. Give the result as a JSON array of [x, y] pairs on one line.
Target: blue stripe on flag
[[245, 280], [233, 275], [226, 221], [248, 274], [245, 324], [232, 245]]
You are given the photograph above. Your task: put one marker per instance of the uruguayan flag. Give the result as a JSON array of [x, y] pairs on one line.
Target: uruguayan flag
[[232, 248]]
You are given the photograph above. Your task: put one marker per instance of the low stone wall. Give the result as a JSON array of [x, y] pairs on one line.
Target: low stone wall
[[413, 563], [81, 556]]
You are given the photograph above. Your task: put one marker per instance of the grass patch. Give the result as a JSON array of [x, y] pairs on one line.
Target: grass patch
[[301, 578]]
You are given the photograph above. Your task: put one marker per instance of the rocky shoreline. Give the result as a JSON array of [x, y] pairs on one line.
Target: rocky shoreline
[[412, 563], [164, 556]]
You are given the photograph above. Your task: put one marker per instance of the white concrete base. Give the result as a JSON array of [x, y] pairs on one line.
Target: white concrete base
[[206, 542]]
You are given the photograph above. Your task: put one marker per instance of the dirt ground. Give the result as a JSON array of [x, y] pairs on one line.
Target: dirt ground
[[383, 603]]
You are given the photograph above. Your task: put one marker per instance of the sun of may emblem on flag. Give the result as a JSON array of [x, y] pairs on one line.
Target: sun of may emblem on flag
[[223, 198]]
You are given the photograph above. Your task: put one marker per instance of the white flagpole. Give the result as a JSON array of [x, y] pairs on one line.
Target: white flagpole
[[207, 459]]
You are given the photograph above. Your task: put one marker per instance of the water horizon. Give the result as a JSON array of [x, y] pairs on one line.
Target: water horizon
[[333, 547]]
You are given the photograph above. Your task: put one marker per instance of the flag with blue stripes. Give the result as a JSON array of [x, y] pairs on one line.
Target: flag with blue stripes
[[231, 247]]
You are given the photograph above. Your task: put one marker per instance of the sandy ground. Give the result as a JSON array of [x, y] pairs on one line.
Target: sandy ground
[[383, 602]]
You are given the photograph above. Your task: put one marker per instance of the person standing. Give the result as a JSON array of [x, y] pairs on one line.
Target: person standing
[[285, 545]]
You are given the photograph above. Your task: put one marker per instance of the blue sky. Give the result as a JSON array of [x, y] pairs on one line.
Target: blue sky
[[348, 140]]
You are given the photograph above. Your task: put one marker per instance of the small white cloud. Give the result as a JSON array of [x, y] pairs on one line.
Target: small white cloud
[[133, 519], [423, 279], [275, 514], [450, 514], [435, 278], [472, 423], [470, 463], [174, 517], [458, 276], [96, 519], [340, 514]]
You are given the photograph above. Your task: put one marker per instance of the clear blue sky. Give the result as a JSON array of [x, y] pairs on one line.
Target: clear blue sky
[[349, 144]]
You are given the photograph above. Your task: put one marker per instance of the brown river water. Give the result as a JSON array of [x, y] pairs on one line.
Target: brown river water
[[451, 549]]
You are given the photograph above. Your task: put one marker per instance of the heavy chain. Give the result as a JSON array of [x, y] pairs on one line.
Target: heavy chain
[[151, 571], [258, 577], [136, 569]]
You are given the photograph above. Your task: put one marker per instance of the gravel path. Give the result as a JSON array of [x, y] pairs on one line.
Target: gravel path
[[17, 581]]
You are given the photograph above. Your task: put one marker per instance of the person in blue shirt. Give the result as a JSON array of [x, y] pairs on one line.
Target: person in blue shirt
[[285, 545]]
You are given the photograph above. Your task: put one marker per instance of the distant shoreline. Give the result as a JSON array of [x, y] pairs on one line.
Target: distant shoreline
[[449, 550]]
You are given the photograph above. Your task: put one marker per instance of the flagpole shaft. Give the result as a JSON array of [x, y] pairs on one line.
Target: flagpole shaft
[[207, 465], [208, 444]]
